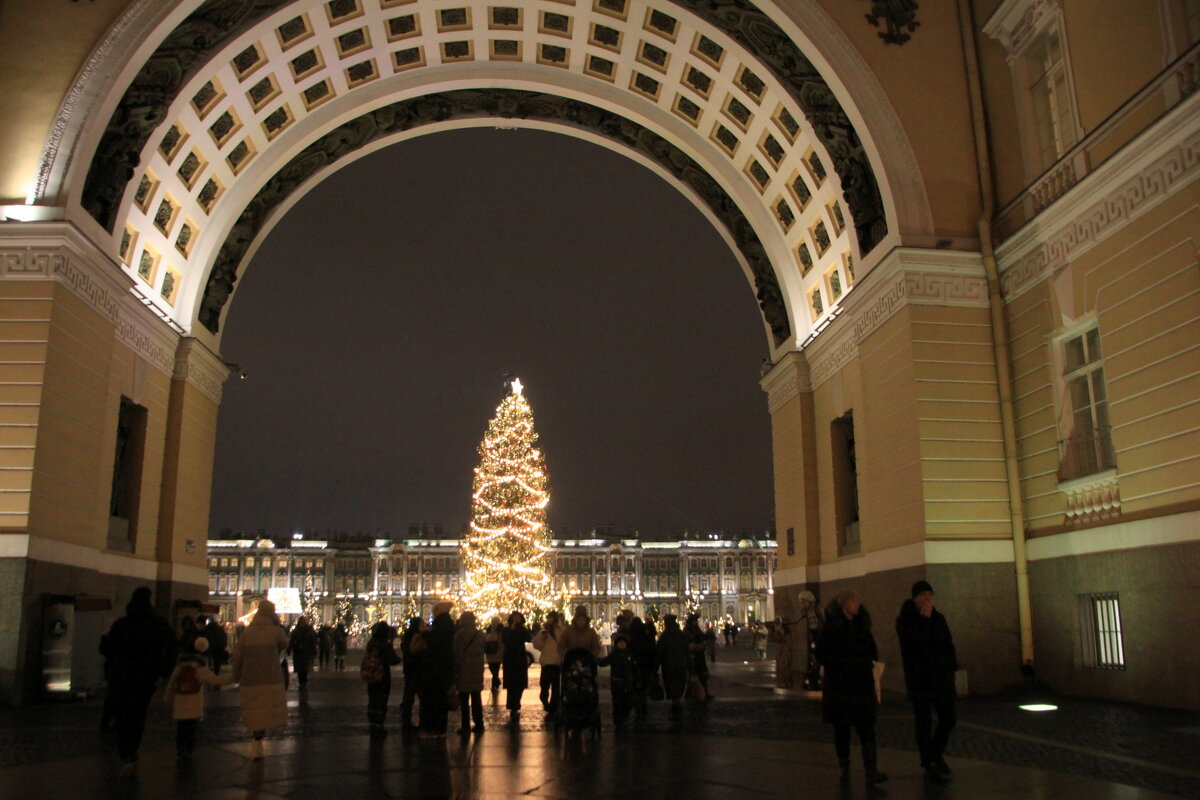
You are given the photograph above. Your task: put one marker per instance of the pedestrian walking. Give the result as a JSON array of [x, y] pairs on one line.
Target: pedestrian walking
[[412, 652], [516, 665], [261, 690], [340, 636], [139, 649], [185, 697], [622, 678], [550, 657], [782, 631], [641, 648], [673, 655], [324, 645], [218, 645], [697, 658], [493, 650], [376, 672], [468, 671], [847, 650], [710, 642], [302, 647], [437, 672], [927, 650], [760, 641]]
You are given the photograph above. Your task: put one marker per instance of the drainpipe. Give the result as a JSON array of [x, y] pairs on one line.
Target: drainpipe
[[999, 333]]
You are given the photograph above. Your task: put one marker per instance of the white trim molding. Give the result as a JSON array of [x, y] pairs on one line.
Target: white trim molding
[[1135, 535], [40, 548]]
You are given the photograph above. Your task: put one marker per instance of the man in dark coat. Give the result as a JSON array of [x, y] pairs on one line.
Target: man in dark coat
[[140, 649], [437, 672], [302, 645], [927, 649], [846, 648]]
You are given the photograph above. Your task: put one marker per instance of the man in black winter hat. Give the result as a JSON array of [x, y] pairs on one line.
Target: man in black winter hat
[[927, 649]]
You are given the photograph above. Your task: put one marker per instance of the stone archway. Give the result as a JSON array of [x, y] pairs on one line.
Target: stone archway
[[236, 107]]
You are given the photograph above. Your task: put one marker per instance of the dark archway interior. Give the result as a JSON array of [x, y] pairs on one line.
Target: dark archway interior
[[378, 317]]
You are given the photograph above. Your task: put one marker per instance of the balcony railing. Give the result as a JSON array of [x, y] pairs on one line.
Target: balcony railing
[[1086, 454]]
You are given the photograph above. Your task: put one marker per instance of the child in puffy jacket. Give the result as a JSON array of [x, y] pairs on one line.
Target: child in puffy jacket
[[185, 695]]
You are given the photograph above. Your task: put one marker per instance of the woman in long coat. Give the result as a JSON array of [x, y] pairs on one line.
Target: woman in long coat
[[846, 648], [672, 652], [516, 664], [256, 670], [468, 671]]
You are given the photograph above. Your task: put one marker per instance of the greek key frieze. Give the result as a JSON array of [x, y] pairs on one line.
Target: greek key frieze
[[1102, 219]]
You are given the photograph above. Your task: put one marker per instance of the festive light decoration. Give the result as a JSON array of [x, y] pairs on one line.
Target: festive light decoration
[[505, 554], [311, 599]]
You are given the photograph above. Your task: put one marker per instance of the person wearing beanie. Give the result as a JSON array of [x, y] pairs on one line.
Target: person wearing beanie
[[927, 650], [579, 634], [138, 650], [191, 674], [621, 679], [256, 668]]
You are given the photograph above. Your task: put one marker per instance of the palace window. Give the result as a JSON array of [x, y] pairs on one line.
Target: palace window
[[845, 484], [1041, 69], [1100, 626], [1086, 447]]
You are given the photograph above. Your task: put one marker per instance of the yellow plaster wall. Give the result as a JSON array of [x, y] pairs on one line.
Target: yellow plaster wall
[[1145, 283], [187, 484], [1113, 53], [925, 82], [25, 311], [958, 412], [42, 46], [795, 482], [1029, 324]]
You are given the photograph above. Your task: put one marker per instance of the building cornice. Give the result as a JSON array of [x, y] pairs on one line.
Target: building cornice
[[787, 379], [197, 365], [905, 277], [1016, 22], [1157, 165], [57, 251]]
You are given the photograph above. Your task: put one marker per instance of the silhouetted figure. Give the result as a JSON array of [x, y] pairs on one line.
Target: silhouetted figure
[[927, 649], [139, 649], [847, 651]]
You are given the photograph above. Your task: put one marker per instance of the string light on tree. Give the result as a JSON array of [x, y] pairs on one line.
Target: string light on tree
[[505, 553]]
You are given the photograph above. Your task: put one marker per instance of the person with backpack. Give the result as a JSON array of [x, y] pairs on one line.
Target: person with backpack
[[376, 672], [468, 671], [184, 695]]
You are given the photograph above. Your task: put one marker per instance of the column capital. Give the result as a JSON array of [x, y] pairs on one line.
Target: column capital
[[785, 379], [200, 367]]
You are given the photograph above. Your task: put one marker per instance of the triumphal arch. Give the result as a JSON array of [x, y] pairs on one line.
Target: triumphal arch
[[970, 226]]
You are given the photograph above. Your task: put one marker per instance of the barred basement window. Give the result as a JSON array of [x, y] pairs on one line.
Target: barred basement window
[[1100, 626]]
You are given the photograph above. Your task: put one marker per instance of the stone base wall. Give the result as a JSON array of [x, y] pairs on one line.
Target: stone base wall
[[1160, 618], [21, 632]]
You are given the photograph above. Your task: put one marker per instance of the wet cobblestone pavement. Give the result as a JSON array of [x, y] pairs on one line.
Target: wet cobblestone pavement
[[748, 742]]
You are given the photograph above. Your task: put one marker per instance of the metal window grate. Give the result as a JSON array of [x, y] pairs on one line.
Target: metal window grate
[[1103, 644]]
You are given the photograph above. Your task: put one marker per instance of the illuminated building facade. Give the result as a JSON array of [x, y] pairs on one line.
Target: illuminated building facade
[[716, 577]]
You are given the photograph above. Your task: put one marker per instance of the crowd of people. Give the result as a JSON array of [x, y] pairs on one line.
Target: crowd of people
[[449, 661]]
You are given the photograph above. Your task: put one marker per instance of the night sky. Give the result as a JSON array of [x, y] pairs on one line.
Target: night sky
[[377, 321]]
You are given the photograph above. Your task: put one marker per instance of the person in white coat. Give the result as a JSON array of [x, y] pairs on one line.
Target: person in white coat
[[256, 668], [185, 696]]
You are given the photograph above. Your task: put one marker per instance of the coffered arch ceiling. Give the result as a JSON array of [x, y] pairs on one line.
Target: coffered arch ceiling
[[244, 105]]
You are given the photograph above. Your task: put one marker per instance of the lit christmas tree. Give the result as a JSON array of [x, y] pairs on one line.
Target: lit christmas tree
[[505, 554]]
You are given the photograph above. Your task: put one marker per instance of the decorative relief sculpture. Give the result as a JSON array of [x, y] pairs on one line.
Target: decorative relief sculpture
[[899, 18], [508, 104]]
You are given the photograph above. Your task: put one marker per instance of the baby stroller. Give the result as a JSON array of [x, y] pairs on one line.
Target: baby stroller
[[580, 707]]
